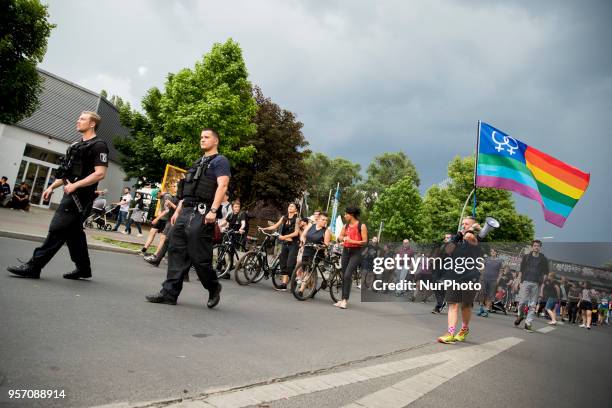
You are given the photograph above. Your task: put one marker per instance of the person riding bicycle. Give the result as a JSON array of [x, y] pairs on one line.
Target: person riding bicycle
[[236, 221], [289, 236]]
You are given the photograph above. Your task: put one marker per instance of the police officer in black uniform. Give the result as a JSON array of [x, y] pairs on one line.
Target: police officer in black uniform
[[201, 193], [83, 167]]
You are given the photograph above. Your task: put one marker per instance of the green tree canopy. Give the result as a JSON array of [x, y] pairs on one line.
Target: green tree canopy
[[324, 174], [24, 30], [385, 170], [399, 207], [442, 206], [139, 157], [277, 172], [215, 94]]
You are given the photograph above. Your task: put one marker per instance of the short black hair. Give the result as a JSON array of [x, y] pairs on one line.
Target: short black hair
[[323, 214], [354, 211], [4, 178], [213, 131], [536, 241]]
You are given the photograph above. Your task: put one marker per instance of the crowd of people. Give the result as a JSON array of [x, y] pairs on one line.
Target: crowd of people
[[194, 209]]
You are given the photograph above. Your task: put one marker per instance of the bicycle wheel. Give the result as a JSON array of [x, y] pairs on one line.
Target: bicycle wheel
[[368, 279], [357, 277], [335, 286], [259, 275], [304, 281], [223, 262], [275, 273], [247, 267]]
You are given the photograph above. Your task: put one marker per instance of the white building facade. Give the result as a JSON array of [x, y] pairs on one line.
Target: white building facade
[[30, 150]]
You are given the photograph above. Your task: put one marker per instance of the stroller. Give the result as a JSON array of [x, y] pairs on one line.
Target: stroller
[[99, 218], [498, 303]]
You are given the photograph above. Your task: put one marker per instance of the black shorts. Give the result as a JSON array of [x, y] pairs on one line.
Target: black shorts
[[563, 303], [167, 229], [586, 305], [465, 297], [160, 225]]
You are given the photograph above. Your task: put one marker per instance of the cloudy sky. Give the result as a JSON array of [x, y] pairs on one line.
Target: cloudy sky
[[367, 77]]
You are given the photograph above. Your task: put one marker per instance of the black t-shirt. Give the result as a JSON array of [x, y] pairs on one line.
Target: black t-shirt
[[235, 220], [21, 192], [95, 154], [548, 290], [167, 197], [219, 166], [5, 190], [465, 270], [533, 268]]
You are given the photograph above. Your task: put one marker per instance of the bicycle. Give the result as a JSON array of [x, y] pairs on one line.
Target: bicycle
[[305, 278], [254, 265], [226, 253]]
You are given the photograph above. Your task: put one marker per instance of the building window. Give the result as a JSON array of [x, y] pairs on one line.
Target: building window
[[37, 153]]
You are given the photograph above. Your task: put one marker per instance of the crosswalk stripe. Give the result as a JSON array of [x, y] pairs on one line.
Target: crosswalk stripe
[[407, 391], [546, 329], [457, 360]]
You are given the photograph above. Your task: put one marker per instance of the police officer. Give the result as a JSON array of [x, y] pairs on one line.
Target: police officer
[[201, 193], [84, 166]]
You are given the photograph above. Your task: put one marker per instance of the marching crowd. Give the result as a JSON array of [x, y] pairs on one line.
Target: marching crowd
[[194, 210]]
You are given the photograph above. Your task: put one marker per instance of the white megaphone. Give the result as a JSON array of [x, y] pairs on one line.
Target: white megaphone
[[490, 224]]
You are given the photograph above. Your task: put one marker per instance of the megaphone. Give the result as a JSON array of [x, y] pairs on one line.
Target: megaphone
[[490, 224]]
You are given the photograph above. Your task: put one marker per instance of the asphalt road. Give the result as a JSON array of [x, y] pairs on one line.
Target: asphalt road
[[102, 343]]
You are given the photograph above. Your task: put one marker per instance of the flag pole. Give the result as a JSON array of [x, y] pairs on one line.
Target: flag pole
[[476, 167], [465, 205]]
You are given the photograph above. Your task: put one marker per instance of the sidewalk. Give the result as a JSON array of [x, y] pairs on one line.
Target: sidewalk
[[33, 226]]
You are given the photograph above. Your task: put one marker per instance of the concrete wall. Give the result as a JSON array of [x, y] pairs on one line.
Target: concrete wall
[[13, 141]]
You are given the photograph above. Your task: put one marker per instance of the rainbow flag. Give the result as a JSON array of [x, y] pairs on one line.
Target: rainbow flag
[[507, 163]]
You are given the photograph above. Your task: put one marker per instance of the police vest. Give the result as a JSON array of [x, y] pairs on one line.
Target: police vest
[[72, 166], [196, 185]]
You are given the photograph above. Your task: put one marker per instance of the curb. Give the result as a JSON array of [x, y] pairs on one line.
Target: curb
[[41, 238]]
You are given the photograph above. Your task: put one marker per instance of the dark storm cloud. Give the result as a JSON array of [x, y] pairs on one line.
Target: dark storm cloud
[[369, 77]]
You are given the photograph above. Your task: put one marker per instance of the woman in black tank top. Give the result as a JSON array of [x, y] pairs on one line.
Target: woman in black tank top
[[315, 234], [289, 236]]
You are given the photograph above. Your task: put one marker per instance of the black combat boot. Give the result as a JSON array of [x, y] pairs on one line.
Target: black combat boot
[[25, 270]]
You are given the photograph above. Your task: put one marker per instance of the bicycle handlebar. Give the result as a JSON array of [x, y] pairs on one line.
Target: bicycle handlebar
[[274, 234]]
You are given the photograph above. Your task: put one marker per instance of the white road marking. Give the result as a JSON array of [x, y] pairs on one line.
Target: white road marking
[[546, 329], [453, 362], [407, 391]]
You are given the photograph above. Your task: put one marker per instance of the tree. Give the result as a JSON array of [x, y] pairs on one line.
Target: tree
[[442, 206], [24, 30], [277, 172], [384, 171], [399, 207], [440, 213], [214, 94], [139, 157], [324, 174]]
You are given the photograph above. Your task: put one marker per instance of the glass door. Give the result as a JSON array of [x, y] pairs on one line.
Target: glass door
[[36, 175], [39, 184]]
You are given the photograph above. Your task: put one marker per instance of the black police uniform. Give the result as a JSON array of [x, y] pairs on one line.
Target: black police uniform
[[67, 223], [191, 238]]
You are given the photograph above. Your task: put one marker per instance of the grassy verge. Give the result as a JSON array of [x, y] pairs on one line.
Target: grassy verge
[[123, 244]]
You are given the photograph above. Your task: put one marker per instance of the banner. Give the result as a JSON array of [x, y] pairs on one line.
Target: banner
[[172, 175]]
